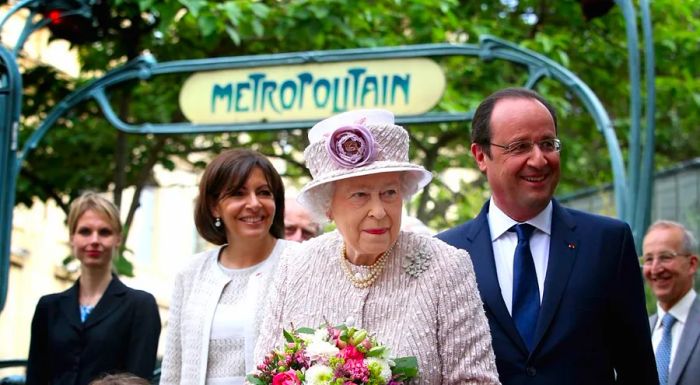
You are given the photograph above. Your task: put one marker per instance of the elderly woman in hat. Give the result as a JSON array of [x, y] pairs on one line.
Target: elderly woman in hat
[[416, 294]]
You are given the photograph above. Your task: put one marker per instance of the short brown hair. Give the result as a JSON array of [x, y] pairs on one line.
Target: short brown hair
[[481, 122], [90, 200], [225, 174], [120, 379]]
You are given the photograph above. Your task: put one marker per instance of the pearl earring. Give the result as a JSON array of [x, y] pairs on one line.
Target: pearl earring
[[217, 222]]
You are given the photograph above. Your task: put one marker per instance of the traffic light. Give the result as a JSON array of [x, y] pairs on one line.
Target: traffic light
[[78, 21], [595, 8]]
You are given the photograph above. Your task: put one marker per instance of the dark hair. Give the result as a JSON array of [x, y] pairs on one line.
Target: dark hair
[[481, 122], [225, 174], [120, 379]]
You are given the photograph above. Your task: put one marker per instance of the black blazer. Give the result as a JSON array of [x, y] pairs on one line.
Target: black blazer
[[120, 335], [592, 327]]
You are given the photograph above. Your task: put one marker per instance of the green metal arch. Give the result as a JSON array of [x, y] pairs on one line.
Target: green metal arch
[[10, 102], [145, 67], [490, 48]]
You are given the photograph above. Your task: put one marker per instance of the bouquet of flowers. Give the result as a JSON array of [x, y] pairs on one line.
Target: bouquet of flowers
[[332, 356]]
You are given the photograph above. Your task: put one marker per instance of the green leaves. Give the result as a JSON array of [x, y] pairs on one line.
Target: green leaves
[[233, 11], [377, 351], [289, 337], [251, 379], [187, 29], [406, 368], [305, 330], [123, 266], [194, 6]]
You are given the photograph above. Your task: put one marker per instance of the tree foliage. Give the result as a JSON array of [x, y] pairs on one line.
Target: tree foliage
[[81, 151]]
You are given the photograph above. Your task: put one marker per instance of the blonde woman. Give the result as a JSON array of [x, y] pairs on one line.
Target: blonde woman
[[99, 325]]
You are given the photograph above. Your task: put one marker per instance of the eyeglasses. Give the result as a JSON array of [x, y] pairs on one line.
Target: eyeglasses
[[523, 147], [664, 258]]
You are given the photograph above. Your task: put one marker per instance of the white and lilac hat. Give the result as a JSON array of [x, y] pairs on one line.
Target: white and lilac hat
[[356, 143]]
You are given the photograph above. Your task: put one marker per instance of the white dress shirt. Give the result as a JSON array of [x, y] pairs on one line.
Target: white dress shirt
[[504, 243], [679, 311]]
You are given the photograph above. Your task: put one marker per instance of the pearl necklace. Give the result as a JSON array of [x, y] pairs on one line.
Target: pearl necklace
[[363, 282]]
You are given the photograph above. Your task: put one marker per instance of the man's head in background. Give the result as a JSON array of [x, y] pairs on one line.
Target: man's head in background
[[298, 224]]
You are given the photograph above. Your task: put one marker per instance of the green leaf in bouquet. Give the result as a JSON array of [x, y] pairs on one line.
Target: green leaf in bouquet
[[288, 336], [254, 380], [305, 331], [377, 351], [405, 368]]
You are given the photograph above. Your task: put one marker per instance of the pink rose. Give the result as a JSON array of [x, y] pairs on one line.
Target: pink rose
[[351, 353], [286, 378]]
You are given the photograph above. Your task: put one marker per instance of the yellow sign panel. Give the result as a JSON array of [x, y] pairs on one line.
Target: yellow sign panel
[[312, 91]]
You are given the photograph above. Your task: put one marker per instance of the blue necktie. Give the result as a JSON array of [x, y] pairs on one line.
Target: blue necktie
[[663, 351], [526, 292]]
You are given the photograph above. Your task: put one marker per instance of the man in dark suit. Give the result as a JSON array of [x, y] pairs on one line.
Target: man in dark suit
[[562, 290], [669, 264]]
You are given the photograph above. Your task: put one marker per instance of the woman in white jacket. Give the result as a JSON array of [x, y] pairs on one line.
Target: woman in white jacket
[[215, 310]]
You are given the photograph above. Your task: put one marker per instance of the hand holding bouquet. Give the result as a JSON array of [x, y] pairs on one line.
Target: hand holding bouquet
[[332, 356]]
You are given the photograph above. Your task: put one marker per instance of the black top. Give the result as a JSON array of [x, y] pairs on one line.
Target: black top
[[120, 335]]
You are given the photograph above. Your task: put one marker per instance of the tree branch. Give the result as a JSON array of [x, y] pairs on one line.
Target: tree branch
[[143, 177]]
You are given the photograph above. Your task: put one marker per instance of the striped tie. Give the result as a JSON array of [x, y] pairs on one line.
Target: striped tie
[[663, 351]]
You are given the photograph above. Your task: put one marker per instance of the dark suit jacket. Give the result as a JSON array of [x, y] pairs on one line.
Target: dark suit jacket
[[120, 335], [685, 369], [593, 322]]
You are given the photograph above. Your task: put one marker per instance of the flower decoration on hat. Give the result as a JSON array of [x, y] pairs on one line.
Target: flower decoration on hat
[[351, 146]]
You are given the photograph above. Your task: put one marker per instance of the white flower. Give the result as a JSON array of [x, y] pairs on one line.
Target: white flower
[[318, 375], [321, 350], [385, 372], [321, 334], [307, 338], [318, 336]]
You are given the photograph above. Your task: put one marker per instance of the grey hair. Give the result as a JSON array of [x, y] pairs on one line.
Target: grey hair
[[690, 244], [318, 200]]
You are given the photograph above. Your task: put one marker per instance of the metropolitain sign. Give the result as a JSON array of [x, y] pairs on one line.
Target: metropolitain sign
[[312, 91]]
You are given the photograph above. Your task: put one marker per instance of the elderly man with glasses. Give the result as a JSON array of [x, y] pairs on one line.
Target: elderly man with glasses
[[299, 225], [561, 288], [669, 263]]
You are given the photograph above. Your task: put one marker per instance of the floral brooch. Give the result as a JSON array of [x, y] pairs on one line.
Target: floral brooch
[[415, 263], [351, 146]]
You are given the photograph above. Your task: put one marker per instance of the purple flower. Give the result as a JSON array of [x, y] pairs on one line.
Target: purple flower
[[351, 146]]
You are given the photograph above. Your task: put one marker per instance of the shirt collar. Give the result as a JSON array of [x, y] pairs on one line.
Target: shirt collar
[[500, 222], [680, 310]]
